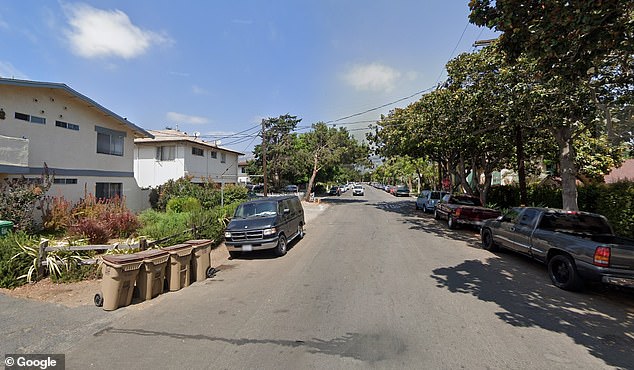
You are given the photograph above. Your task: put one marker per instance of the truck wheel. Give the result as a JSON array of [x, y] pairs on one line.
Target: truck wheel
[[436, 215], [280, 249], [300, 232], [487, 241], [451, 222], [563, 273]]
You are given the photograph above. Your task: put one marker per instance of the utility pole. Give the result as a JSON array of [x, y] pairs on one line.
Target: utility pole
[[264, 154]]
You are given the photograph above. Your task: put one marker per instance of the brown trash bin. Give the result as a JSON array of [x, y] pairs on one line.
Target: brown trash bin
[[117, 285], [151, 273], [178, 271], [201, 259]]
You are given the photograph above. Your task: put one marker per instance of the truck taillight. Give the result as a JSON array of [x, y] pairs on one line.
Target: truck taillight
[[458, 211], [602, 256]]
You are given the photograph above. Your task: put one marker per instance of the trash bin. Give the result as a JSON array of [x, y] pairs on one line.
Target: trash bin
[[178, 271], [151, 273], [117, 285], [5, 227], [201, 259]]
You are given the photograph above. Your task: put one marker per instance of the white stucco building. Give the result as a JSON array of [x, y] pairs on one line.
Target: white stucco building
[[172, 154], [87, 147]]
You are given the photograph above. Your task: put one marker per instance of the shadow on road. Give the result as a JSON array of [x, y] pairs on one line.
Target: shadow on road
[[600, 319], [342, 200]]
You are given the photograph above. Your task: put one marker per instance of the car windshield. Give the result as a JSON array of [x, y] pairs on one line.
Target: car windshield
[[259, 209], [358, 187]]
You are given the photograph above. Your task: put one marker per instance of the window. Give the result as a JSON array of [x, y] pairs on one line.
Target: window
[[529, 217], [198, 152], [223, 157], [28, 118], [70, 126], [108, 190], [109, 141], [166, 153], [65, 181], [22, 116], [39, 120], [213, 154]]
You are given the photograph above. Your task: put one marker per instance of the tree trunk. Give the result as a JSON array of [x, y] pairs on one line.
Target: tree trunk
[[311, 182], [521, 168], [567, 168]]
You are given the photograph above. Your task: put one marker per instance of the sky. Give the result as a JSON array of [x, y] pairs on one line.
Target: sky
[[218, 68]]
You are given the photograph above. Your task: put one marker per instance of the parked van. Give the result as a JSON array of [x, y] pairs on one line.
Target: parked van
[[265, 223]]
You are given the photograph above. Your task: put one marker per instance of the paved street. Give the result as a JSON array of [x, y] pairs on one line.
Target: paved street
[[374, 284]]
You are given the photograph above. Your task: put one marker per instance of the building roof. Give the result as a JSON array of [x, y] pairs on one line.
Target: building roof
[[165, 136], [625, 172], [65, 88]]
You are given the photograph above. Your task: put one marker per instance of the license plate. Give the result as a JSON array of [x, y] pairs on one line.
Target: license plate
[[247, 248]]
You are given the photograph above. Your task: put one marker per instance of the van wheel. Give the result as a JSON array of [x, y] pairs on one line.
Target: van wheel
[[563, 273], [280, 249], [300, 231]]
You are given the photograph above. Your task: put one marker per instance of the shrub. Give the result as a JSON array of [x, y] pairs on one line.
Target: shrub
[[102, 219], [18, 197], [158, 225], [235, 193], [57, 214], [183, 204], [13, 264], [616, 202], [95, 230]]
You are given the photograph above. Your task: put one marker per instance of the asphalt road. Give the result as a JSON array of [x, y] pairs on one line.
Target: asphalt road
[[374, 284]]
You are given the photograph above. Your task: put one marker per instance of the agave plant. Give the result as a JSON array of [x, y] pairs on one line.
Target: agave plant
[[55, 261]]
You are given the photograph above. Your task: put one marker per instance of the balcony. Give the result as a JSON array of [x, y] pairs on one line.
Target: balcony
[[14, 154]]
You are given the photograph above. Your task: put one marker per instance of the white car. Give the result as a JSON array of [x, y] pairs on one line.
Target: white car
[[357, 190]]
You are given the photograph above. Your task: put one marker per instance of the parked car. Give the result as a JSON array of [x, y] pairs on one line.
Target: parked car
[[291, 189], [576, 246], [401, 191], [357, 190], [420, 199], [461, 209], [428, 198], [334, 190], [266, 223]]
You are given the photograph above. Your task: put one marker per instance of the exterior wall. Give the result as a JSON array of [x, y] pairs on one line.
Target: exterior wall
[[69, 154], [150, 172]]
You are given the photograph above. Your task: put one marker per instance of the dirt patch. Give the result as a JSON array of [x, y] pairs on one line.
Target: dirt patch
[[70, 294]]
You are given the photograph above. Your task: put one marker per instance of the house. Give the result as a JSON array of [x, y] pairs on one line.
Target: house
[[172, 154], [243, 174], [87, 147], [625, 172]]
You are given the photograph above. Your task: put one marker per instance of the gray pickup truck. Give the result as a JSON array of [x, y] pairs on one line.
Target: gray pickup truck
[[576, 246]]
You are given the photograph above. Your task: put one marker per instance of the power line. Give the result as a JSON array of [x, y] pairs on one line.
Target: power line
[[453, 51]]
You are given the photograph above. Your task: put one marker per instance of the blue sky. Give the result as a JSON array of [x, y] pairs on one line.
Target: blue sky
[[219, 67]]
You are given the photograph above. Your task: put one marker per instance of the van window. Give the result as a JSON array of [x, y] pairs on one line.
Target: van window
[[256, 209]]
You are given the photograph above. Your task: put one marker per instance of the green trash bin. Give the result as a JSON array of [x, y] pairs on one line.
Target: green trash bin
[[201, 259], [5, 227], [152, 273], [117, 285], [178, 271]]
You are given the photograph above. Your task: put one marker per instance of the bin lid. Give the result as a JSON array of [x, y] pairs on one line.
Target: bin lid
[[151, 253], [173, 249], [121, 259], [6, 223]]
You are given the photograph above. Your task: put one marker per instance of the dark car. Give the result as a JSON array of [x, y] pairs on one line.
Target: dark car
[[401, 191], [334, 190], [266, 223], [291, 189], [462, 209]]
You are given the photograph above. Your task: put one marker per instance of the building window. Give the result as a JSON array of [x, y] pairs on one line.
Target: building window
[[40, 120], [223, 157], [70, 126], [108, 190], [109, 141], [213, 154], [243, 170], [166, 153], [28, 118], [65, 181], [22, 116], [198, 152]]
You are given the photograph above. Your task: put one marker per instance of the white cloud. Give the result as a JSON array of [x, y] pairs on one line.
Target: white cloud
[[372, 77], [185, 118], [7, 70], [199, 90], [102, 33]]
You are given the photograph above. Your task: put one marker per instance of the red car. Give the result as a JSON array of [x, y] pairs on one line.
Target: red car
[[460, 209]]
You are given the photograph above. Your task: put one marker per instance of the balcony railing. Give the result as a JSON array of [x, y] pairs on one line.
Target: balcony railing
[[14, 151]]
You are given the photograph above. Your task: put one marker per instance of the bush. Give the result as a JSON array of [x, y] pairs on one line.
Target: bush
[[183, 204], [18, 197], [102, 219], [616, 202], [12, 268], [158, 225], [95, 230], [235, 194], [57, 215]]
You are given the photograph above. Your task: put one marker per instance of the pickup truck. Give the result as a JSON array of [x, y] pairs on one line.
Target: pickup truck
[[576, 246], [462, 209]]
